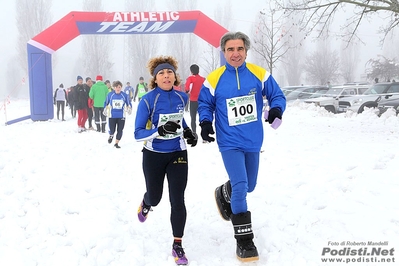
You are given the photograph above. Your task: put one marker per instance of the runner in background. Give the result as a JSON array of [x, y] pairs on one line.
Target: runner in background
[[129, 91], [141, 89], [192, 88]]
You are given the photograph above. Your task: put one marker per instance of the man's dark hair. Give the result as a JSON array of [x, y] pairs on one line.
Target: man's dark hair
[[194, 69], [116, 83]]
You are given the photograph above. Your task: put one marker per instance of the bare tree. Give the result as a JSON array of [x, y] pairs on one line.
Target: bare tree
[[211, 55], [293, 59], [322, 65], [390, 46], [271, 38], [140, 47], [382, 68], [13, 83], [33, 17], [349, 61], [184, 46], [96, 49], [315, 13], [211, 58]]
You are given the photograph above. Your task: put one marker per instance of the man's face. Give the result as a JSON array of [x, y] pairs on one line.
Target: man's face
[[89, 83], [235, 53], [118, 89], [80, 81]]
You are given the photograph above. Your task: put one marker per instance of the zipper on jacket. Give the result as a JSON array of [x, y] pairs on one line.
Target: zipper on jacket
[[238, 80]]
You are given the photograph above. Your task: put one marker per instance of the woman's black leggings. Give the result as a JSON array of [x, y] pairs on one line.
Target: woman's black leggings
[[174, 166], [62, 105], [116, 124]]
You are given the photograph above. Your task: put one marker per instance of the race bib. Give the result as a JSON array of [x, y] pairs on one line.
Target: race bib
[[163, 118], [241, 110], [117, 104]]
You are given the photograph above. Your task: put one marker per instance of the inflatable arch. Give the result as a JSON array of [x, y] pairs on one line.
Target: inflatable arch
[[42, 46]]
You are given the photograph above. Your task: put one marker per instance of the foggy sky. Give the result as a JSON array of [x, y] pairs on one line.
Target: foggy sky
[[243, 19]]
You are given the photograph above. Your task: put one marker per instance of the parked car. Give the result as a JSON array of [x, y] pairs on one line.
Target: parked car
[[305, 92], [389, 101], [288, 89], [357, 83], [370, 98], [330, 100]]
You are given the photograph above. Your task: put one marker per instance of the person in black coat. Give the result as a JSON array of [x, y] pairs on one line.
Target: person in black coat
[[81, 103], [71, 100]]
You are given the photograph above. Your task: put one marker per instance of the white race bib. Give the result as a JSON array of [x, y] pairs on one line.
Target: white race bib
[[163, 118], [117, 104], [241, 110]]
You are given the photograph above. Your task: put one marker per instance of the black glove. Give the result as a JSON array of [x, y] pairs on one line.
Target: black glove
[[273, 114], [169, 127], [206, 130], [191, 137]]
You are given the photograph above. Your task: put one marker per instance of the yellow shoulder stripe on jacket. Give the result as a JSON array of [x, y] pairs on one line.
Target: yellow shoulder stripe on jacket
[[214, 76], [258, 71]]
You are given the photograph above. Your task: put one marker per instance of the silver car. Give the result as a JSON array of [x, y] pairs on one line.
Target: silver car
[[331, 99], [370, 98]]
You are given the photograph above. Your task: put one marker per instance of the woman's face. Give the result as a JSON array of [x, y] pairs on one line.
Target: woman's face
[[165, 79]]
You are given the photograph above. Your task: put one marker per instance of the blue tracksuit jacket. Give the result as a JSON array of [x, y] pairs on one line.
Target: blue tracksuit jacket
[[155, 109], [117, 102], [235, 97]]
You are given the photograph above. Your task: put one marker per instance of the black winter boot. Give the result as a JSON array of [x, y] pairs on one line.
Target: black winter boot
[[222, 197], [246, 249], [103, 127], [98, 128]]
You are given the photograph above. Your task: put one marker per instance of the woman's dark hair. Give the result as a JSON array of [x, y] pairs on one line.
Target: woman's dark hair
[[154, 62]]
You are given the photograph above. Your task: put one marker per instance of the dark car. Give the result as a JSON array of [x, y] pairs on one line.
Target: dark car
[[389, 101]]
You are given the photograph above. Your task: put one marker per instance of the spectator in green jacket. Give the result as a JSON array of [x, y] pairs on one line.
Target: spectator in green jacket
[[99, 93]]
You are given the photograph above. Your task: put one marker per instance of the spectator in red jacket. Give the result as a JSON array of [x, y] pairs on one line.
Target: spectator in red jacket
[[193, 87], [81, 103]]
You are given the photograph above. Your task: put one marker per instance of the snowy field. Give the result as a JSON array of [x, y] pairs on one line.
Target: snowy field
[[71, 199]]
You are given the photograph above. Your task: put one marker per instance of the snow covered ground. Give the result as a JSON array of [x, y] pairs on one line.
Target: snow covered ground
[[71, 199]]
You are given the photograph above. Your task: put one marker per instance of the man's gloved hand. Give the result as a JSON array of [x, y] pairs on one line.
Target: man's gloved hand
[[273, 114], [105, 111], [206, 130], [191, 137], [169, 127]]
